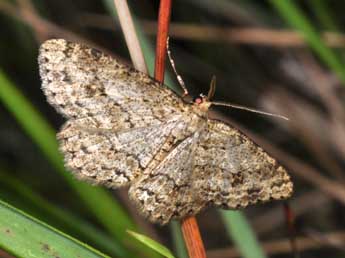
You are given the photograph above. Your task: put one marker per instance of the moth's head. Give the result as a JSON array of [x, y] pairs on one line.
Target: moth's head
[[202, 102]]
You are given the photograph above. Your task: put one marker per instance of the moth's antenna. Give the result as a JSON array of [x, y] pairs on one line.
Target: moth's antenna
[[248, 109], [212, 89], [179, 78]]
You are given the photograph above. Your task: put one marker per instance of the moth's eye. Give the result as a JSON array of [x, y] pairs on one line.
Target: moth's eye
[[197, 100]]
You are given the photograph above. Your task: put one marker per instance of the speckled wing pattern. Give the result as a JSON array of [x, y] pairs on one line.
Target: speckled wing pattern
[[232, 172], [124, 128], [112, 128]]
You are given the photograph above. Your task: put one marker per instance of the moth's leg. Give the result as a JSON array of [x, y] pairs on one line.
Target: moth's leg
[[179, 78]]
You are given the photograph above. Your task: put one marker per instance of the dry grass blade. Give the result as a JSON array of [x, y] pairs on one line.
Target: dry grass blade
[[130, 34], [279, 38]]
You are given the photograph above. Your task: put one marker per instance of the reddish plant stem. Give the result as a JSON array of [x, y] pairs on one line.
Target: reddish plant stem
[[189, 225], [290, 221], [192, 238], [162, 35]]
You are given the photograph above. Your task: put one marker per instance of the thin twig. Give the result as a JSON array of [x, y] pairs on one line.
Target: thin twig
[[248, 35], [256, 36]]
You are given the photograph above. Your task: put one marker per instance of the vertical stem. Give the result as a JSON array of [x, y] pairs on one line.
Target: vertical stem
[[290, 221], [190, 227], [130, 34], [192, 238], [162, 35]]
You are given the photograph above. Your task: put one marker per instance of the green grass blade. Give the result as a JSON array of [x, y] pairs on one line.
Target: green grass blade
[[326, 19], [24, 236], [242, 234], [152, 244], [61, 217], [100, 203], [294, 16], [323, 14], [179, 245]]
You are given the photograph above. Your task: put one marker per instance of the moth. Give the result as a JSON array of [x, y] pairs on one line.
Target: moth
[[124, 128]]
